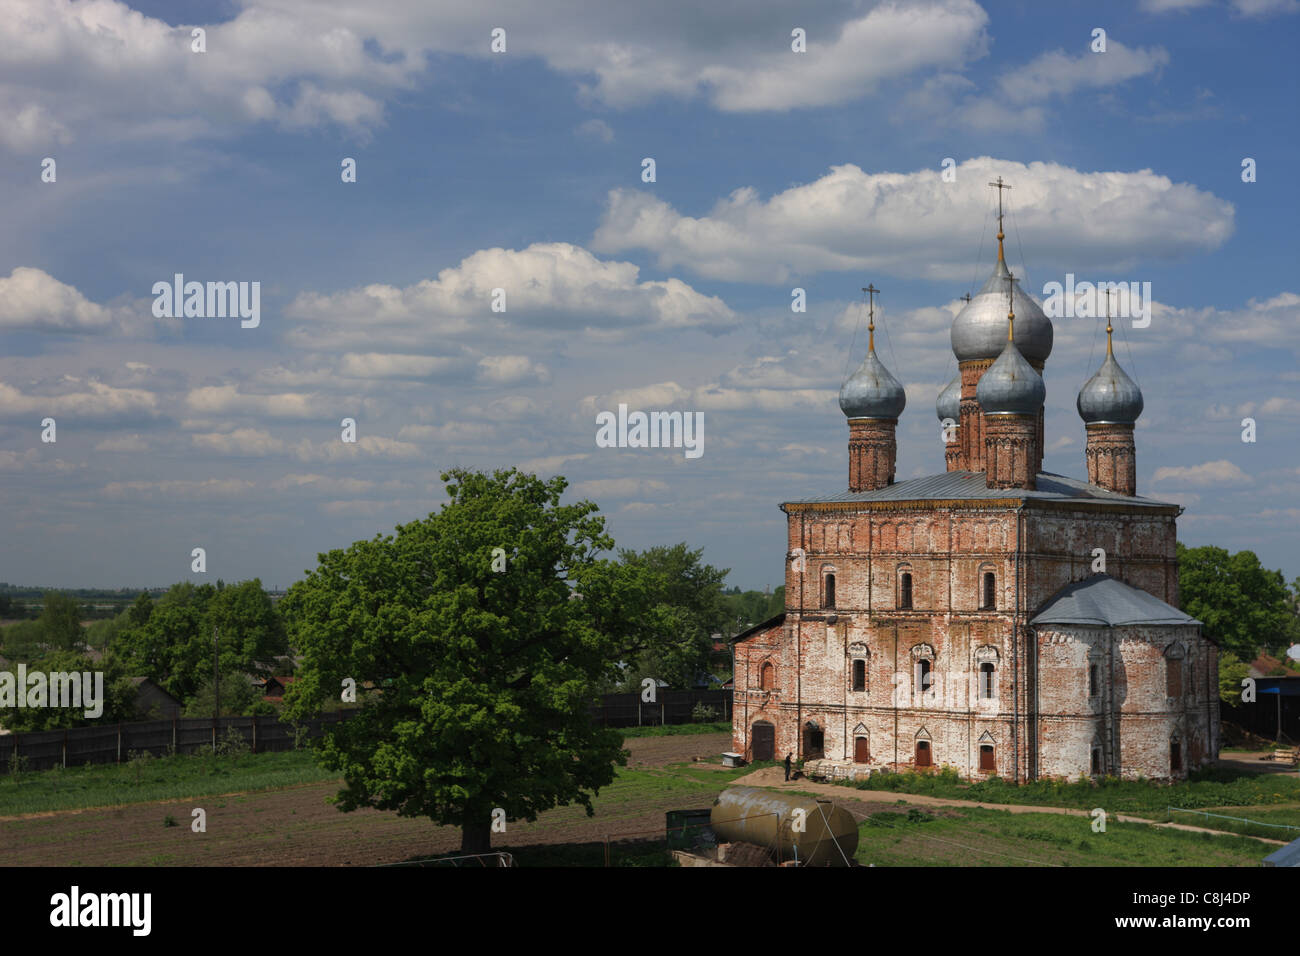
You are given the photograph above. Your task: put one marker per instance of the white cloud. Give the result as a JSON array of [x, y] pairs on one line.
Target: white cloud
[[1221, 472], [229, 400], [97, 402], [617, 487], [207, 489], [596, 129], [511, 370], [126, 443], [916, 225], [33, 299], [251, 442], [1056, 73], [548, 286], [103, 69]]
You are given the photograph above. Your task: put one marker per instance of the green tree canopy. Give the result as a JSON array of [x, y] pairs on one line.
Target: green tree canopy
[[60, 621], [173, 641], [1243, 606], [484, 670], [688, 593]]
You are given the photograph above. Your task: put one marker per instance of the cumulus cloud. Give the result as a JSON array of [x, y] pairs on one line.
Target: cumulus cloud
[[903, 223], [89, 401], [104, 69], [1221, 472], [546, 286], [230, 400], [33, 299]]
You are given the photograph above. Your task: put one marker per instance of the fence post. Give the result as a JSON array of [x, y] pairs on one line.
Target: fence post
[[255, 733]]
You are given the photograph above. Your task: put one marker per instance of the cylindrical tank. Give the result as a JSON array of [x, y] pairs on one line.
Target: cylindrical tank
[[768, 819]]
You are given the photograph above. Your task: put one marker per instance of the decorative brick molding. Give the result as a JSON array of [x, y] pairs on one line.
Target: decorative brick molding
[[1112, 458], [872, 453], [1010, 451]]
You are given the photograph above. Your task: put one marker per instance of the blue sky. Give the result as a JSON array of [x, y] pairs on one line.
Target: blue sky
[[522, 170]]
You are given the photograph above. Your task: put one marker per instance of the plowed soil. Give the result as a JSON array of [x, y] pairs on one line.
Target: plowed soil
[[297, 826]]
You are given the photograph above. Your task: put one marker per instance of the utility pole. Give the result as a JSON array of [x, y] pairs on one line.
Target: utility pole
[[216, 688]]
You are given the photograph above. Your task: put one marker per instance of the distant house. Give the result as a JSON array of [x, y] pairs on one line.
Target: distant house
[[154, 703], [276, 686]]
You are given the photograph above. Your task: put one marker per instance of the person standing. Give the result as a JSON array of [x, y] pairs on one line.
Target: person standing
[[787, 766]]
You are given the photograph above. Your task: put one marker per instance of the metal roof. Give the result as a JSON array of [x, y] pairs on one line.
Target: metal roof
[[972, 485], [1103, 601], [1288, 855]]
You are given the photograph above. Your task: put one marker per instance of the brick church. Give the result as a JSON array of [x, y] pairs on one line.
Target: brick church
[[964, 619]]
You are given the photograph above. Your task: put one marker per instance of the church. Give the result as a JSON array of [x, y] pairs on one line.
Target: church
[[993, 618]]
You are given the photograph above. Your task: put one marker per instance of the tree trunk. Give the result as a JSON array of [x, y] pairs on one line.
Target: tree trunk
[[476, 838]]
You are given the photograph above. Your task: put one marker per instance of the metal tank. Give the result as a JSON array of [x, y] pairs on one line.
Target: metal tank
[[766, 818]]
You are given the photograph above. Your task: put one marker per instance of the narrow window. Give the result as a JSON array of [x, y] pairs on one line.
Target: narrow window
[[859, 675], [1092, 680], [905, 591], [767, 676], [1175, 756], [986, 682], [923, 677], [990, 597], [1096, 760], [829, 593], [1174, 677], [987, 763]]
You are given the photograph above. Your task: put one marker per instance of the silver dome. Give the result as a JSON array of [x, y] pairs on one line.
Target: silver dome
[[1110, 396], [871, 392], [1010, 386], [949, 404], [980, 329]]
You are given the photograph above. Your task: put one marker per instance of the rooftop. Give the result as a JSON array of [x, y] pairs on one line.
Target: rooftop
[[970, 485], [1103, 601]]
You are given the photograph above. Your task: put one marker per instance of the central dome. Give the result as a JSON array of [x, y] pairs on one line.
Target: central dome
[[980, 329]]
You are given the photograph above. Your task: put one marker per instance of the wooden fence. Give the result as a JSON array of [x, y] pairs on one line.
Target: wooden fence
[[114, 743]]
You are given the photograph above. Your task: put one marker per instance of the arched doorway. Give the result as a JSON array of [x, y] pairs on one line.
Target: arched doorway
[[762, 740]]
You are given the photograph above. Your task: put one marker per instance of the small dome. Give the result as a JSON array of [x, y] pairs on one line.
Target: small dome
[[871, 392], [949, 404], [1110, 396], [1010, 386], [980, 329]]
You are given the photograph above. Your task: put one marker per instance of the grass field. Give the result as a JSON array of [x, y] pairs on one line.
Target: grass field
[[1219, 787], [916, 836], [158, 778]]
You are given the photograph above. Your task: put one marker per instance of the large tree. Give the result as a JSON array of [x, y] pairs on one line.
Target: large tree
[[483, 630], [688, 593], [1244, 606]]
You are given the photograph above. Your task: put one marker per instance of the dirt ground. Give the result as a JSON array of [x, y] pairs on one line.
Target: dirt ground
[[297, 826]]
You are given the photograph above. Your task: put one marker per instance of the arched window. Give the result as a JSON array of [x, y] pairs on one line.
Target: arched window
[[1096, 758], [1094, 682], [905, 591], [859, 675], [990, 602], [924, 677], [828, 591], [767, 676], [1175, 755], [987, 682]]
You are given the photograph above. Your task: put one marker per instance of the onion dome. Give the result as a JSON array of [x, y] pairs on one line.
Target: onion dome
[[871, 391], [980, 329], [1110, 397], [1010, 386], [949, 404]]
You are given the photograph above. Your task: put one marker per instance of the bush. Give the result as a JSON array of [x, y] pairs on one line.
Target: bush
[[232, 744], [701, 713]]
